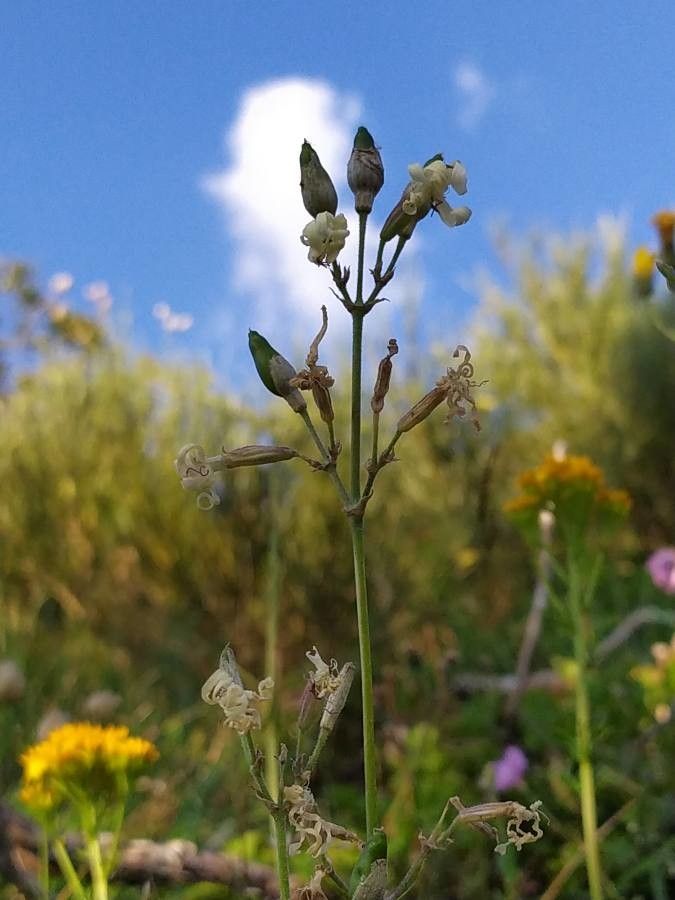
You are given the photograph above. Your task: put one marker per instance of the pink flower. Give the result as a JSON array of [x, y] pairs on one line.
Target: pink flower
[[661, 568], [509, 770]]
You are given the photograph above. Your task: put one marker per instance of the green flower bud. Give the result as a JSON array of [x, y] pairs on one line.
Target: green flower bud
[[365, 172], [318, 192], [275, 372]]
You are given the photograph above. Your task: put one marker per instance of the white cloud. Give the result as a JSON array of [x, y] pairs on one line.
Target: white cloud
[[259, 193], [476, 93]]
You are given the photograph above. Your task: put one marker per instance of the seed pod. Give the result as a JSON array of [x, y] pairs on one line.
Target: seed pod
[[318, 193], [398, 222], [336, 701], [383, 378], [365, 172], [275, 372], [422, 409], [256, 455]]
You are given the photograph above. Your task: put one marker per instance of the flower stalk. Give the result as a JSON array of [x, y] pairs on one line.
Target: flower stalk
[[589, 816]]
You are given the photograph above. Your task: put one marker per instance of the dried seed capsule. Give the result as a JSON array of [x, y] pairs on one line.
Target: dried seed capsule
[[383, 378], [422, 409], [256, 455]]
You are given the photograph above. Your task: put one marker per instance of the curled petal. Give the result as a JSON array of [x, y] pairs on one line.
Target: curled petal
[[452, 217]]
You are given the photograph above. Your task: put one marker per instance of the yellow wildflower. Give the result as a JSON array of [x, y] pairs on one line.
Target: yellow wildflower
[[664, 222], [643, 263], [572, 486], [90, 757]]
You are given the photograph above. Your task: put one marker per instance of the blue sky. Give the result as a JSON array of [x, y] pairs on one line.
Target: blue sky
[[126, 126]]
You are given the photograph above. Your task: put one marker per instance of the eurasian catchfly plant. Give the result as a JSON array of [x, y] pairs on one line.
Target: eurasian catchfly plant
[[299, 825]]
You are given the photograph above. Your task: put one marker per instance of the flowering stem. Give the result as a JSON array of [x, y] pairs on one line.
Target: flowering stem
[[376, 434], [356, 525], [584, 743], [44, 863], [282, 853], [272, 633], [98, 879], [68, 870], [329, 465]]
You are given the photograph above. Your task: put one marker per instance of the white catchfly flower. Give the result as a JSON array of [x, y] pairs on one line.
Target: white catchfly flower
[[325, 236], [197, 473], [428, 187]]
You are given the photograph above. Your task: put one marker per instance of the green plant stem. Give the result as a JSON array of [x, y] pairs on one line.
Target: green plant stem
[[68, 870], [357, 355], [282, 854], [376, 435], [368, 708], [118, 821], [356, 527], [44, 863], [278, 816], [98, 879], [329, 465], [584, 741], [272, 634]]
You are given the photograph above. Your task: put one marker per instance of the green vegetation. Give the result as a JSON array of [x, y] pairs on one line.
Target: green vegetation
[[112, 578]]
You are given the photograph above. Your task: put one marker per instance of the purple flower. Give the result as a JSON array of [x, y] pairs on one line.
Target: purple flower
[[661, 568], [509, 770]]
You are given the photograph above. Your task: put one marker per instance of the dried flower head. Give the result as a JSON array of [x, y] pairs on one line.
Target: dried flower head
[[316, 378], [315, 833], [312, 890], [523, 825], [454, 387], [224, 689], [325, 677]]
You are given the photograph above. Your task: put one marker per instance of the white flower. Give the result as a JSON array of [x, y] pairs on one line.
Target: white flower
[[428, 187], [196, 473], [220, 689], [325, 237], [60, 283]]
